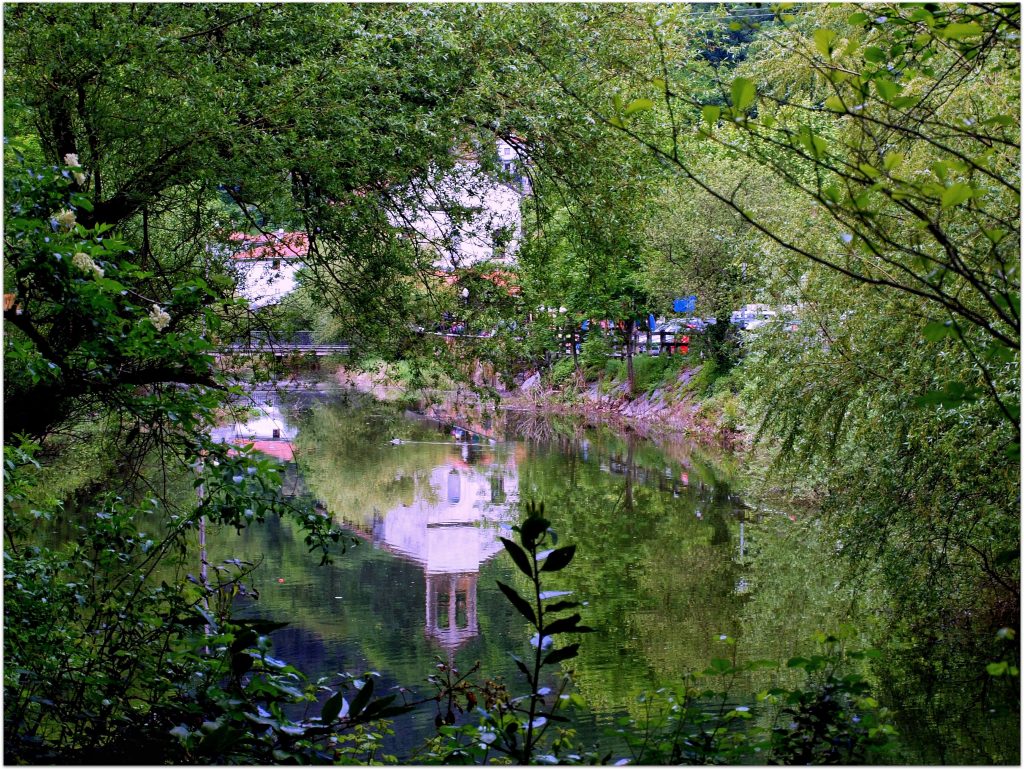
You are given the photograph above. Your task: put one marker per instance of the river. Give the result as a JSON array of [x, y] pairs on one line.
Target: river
[[671, 559]]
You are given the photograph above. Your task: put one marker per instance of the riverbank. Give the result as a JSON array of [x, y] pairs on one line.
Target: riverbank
[[676, 407], [672, 409]]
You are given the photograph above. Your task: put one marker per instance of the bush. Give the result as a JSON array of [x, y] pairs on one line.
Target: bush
[[700, 384], [562, 373], [614, 369], [594, 353], [654, 371]]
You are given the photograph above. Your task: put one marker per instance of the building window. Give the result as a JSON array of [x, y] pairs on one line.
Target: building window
[[276, 264]]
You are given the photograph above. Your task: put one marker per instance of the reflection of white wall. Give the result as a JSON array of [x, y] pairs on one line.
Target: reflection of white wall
[[458, 531], [267, 419]]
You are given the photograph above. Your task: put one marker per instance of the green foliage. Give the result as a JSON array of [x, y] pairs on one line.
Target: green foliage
[[87, 332], [830, 718], [653, 372], [563, 373], [594, 353], [104, 639]]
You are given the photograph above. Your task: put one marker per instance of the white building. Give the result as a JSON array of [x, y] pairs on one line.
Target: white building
[[266, 266], [466, 217], [470, 216]]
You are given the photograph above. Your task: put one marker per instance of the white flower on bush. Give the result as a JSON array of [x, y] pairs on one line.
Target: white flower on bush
[[84, 262], [66, 218], [159, 317], [71, 160]]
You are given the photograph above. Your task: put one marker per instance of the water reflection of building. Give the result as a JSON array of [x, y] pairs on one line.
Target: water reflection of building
[[266, 428], [451, 531]]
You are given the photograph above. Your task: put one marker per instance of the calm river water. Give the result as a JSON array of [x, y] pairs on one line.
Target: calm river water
[[670, 558]]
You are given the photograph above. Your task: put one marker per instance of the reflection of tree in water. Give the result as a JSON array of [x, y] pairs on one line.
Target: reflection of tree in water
[[656, 559], [720, 530], [536, 426]]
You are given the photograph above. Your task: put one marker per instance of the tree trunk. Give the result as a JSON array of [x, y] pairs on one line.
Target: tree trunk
[[628, 491], [630, 345]]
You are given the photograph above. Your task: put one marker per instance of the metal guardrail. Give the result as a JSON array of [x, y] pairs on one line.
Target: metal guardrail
[[284, 344]]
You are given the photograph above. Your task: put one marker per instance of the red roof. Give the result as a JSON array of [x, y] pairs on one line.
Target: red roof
[[500, 278], [282, 450], [271, 246]]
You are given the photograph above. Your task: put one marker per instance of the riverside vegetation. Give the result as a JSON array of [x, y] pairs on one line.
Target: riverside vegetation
[[861, 163]]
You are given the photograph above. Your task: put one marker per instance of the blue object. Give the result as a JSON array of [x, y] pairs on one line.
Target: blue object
[[685, 304], [651, 322], [585, 325]]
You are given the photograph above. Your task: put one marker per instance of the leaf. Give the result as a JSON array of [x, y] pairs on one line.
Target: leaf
[[997, 669], [518, 602], [937, 330], [336, 705], [562, 625], [1001, 120], [518, 556], [743, 93], [892, 160], [956, 194], [361, 699], [244, 639], [755, 665], [874, 54], [835, 104], [868, 170], [378, 705], [241, 663], [823, 39], [857, 18], [81, 201], [390, 711], [110, 285], [562, 653], [958, 31], [814, 144], [545, 595], [887, 89], [532, 529], [261, 626], [660, 84], [720, 665], [638, 105], [522, 667], [559, 606], [1004, 558], [711, 113], [954, 394], [558, 559]]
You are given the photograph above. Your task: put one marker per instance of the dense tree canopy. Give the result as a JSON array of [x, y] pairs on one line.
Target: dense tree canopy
[[857, 168]]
